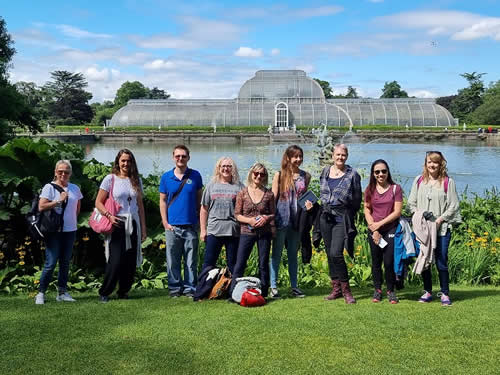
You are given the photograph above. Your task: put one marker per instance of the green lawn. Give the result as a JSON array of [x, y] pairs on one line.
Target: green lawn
[[154, 334]]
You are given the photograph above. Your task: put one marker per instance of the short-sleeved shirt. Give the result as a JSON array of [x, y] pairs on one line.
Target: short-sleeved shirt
[[382, 205], [246, 207], [220, 199], [50, 193], [123, 193], [184, 210]]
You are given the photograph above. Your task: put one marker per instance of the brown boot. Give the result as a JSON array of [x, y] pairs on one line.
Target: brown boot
[[346, 291], [336, 291]]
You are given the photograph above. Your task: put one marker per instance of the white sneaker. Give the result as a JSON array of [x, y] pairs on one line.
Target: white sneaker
[[65, 297], [40, 298], [275, 293]]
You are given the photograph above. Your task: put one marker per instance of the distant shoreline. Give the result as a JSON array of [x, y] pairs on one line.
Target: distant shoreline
[[186, 136]]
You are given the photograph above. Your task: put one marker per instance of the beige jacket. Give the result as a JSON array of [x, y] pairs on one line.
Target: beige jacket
[[426, 233]]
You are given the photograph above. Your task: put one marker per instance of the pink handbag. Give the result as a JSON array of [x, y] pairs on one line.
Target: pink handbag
[[100, 223]]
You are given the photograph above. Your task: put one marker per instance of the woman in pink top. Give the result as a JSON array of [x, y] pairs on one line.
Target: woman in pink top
[[383, 203]]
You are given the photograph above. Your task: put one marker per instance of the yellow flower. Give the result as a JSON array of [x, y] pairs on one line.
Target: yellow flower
[[345, 252], [497, 239], [22, 253], [485, 233], [37, 281], [2, 256], [162, 246], [359, 247], [21, 263]]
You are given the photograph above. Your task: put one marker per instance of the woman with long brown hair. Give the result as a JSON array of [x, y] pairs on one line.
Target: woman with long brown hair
[[435, 193], [383, 204], [288, 185], [123, 246]]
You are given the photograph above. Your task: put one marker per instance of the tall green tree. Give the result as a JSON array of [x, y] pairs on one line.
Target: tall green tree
[[14, 110], [488, 113], [351, 93], [130, 90], [156, 93], [468, 98], [68, 100], [325, 86], [393, 90]]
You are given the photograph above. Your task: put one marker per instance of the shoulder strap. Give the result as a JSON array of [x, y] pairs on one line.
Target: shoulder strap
[[176, 194], [60, 190], [419, 181]]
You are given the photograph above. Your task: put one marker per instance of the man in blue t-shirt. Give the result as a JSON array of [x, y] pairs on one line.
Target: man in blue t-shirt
[[180, 217]]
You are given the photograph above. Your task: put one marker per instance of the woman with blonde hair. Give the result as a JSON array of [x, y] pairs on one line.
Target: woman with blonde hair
[[288, 185], [435, 194], [64, 197], [123, 246], [219, 227], [255, 210]]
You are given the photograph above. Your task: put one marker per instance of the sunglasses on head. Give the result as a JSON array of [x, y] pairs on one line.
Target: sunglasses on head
[[434, 152], [380, 171], [261, 174]]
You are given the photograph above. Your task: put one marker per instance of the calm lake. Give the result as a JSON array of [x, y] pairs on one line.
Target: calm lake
[[471, 163]]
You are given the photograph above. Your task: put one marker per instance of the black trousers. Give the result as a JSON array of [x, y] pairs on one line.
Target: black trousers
[[121, 263], [244, 249], [385, 255], [333, 234]]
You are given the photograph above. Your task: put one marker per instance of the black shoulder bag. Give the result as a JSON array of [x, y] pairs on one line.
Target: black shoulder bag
[[176, 194]]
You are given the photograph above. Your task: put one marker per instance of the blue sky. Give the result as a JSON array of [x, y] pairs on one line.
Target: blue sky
[[203, 49]]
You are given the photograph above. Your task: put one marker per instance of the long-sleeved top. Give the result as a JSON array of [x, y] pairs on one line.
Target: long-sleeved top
[[426, 234], [427, 197], [246, 207], [347, 193]]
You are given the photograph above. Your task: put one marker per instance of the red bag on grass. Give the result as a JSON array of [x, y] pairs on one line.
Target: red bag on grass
[[252, 298]]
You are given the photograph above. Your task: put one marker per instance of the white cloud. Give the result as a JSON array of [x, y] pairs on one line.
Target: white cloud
[[321, 11], [94, 74], [200, 33], [286, 13], [422, 93], [275, 52], [457, 25], [159, 64], [75, 32], [248, 52], [308, 68]]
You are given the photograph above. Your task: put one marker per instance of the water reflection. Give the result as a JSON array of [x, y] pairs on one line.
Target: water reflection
[[470, 163]]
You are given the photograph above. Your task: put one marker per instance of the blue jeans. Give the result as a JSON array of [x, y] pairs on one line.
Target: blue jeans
[[182, 242], [292, 245], [59, 247], [245, 249], [441, 254], [214, 246]]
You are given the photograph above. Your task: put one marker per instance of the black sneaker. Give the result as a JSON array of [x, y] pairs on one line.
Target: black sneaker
[[391, 296], [297, 293], [377, 296], [104, 299], [175, 294]]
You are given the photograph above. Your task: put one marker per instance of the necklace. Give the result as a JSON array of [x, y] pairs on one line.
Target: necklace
[[337, 172]]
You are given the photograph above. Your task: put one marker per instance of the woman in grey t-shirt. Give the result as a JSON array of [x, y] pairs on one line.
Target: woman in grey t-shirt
[[218, 224]]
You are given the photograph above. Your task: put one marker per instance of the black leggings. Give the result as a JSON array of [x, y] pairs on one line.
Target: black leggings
[[333, 234], [385, 255]]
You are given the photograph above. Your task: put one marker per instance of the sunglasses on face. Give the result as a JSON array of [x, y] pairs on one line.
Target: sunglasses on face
[[226, 167], [261, 174], [380, 171], [63, 172], [180, 156]]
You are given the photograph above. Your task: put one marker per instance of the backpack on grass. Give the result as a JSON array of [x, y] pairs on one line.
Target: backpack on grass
[[40, 223]]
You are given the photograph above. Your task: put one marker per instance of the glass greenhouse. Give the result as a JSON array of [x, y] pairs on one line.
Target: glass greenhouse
[[282, 99]]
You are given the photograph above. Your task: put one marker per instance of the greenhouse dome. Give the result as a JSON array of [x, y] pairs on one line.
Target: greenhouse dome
[[282, 99]]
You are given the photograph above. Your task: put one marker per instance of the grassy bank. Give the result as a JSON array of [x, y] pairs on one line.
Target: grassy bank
[[155, 334]]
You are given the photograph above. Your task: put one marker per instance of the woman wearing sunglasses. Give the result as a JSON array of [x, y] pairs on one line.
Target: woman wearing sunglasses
[[435, 194], [340, 194], [219, 227], [383, 204], [59, 245], [255, 210]]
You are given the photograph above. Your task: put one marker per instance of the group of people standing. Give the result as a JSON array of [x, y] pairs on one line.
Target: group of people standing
[[234, 216]]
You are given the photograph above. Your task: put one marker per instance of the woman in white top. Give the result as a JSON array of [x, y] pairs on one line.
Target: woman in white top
[[123, 246], [59, 245]]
